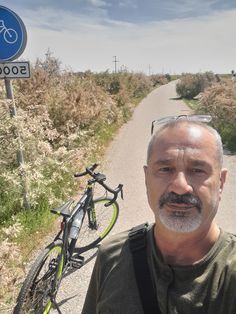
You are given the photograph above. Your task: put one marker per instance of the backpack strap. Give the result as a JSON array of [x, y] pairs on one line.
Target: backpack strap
[[138, 247]]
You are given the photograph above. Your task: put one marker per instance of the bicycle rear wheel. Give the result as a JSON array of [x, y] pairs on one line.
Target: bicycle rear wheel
[[105, 217], [45, 274]]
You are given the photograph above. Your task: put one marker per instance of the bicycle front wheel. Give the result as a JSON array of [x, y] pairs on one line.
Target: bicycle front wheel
[[10, 36], [104, 217], [42, 282]]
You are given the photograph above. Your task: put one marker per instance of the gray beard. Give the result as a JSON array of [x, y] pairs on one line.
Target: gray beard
[[179, 221]]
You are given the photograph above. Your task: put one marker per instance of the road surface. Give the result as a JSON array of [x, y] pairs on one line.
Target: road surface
[[123, 163]]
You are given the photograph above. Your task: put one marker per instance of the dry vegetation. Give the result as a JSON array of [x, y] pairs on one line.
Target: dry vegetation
[[217, 97], [219, 100], [65, 120], [190, 85]]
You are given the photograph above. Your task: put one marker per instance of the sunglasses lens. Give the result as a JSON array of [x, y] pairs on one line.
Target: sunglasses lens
[[194, 117], [201, 118]]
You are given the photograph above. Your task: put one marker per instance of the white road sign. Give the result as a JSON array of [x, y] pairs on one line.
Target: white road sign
[[14, 70]]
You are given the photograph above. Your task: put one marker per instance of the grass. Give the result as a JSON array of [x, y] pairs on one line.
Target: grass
[[192, 103]]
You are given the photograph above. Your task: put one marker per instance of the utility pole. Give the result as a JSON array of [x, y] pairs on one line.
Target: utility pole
[[149, 69], [115, 61]]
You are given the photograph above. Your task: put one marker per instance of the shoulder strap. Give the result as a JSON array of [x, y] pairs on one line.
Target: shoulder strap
[[137, 237]]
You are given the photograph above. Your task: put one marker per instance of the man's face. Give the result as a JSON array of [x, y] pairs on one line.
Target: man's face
[[183, 178]]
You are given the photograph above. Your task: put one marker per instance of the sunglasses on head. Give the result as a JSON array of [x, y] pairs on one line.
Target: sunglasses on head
[[193, 117]]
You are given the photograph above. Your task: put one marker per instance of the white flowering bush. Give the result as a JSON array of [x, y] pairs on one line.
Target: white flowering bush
[[45, 166]]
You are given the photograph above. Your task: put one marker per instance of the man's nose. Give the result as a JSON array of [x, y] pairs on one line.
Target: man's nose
[[180, 184]]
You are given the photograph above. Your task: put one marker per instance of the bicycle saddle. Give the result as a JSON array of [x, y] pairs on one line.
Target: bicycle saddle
[[64, 209]]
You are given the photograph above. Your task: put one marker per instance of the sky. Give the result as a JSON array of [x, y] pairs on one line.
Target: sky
[[150, 36]]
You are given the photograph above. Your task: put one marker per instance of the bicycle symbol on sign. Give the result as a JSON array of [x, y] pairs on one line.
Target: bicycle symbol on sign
[[9, 34]]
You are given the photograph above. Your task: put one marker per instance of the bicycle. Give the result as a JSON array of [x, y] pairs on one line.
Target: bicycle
[[39, 290], [9, 34]]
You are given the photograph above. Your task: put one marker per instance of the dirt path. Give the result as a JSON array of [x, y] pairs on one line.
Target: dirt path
[[123, 164]]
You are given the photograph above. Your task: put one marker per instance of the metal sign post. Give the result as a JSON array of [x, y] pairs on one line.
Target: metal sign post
[[13, 38]]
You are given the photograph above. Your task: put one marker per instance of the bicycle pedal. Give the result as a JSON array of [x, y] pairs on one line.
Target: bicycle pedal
[[77, 261]]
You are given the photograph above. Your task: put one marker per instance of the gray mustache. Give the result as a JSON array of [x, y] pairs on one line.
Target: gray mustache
[[188, 199]]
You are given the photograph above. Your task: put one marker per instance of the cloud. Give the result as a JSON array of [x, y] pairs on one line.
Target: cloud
[[127, 4], [132, 11], [189, 7], [179, 45], [98, 3]]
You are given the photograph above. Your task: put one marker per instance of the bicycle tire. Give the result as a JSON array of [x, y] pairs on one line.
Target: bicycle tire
[[34, 296], [10, 36], [106, 218]]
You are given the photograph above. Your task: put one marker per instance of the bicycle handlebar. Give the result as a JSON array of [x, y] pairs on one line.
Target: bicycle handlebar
[[100, 178], [89, 170]]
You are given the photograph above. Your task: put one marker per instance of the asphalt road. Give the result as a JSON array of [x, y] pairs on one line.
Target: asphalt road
[[123, 163]]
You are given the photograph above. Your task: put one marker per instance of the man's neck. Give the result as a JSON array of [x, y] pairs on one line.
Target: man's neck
[[185, 249]]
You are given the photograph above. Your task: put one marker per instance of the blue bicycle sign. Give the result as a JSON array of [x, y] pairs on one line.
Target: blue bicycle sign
[[12, 35]]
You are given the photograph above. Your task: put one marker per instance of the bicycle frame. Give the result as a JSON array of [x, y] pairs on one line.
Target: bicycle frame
[[69, 248], [85, 205], [3, 28]]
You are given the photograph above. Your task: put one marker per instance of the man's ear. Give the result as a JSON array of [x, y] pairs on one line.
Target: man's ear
[[145, 169], [145, 173], [223, 177]]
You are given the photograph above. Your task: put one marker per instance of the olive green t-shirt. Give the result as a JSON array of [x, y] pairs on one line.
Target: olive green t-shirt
[[207, 287]]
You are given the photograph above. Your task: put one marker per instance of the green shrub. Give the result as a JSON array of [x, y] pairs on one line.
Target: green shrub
[[228, 134], [168, 77], [190, 85], [160, 79], [219, 101]]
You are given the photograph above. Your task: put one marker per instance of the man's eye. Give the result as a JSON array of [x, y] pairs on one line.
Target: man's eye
[[198, 170], [165, 169]]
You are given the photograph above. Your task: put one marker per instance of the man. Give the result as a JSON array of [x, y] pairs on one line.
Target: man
[[191, 260]]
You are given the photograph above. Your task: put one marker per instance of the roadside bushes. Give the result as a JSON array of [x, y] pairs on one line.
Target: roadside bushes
[[160, 79], [132, 85], [64, 119], [217, 97], [190, 85], [125, 89], [219, 101]]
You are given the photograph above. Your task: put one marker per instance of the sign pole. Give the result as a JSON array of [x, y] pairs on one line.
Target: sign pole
[[9, 94], [19, 154]]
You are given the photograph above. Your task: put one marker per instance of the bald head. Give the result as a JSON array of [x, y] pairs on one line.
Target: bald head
[[194, 130]]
